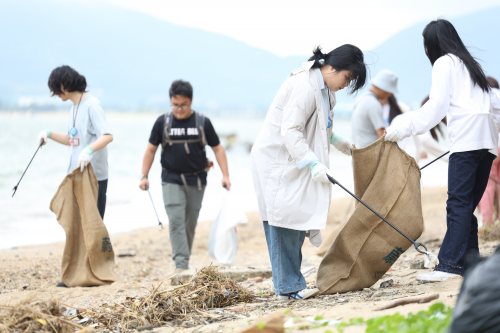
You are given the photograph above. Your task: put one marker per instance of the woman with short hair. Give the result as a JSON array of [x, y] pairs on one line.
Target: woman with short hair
[[460, 92], [290, 161]]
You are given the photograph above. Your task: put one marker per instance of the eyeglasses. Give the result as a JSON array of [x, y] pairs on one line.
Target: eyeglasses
[[182, 106]]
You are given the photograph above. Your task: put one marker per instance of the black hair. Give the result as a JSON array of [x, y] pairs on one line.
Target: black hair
[[67, 77], [182, 88], [346, 57], [493, 82], [437, 127], [441, 38], [394, 110]]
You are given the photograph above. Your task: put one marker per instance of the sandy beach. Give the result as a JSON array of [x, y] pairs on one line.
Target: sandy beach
[[143, 259]]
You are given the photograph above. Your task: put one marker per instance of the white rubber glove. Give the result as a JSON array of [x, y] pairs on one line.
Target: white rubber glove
[[45, 135], [319, 172], [342, 144], [84, 158], [396, 134]]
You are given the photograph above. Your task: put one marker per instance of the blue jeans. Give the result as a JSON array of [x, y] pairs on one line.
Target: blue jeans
[[468, 174], [285, 250]]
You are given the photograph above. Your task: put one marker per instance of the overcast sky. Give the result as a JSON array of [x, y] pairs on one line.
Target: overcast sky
[[294, 27]]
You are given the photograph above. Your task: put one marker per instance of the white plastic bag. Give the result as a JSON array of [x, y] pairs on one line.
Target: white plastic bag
[[223, 240]]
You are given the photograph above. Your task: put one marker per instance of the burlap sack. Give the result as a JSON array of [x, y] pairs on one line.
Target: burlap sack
[[329, 237], [88, 257], [388, 180]]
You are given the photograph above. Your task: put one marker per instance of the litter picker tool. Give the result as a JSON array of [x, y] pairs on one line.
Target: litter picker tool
[[15, 187], [425, 166], [160, 225], [417, 245]]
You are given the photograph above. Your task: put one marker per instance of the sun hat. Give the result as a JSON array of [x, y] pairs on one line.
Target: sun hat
[[386, 80]]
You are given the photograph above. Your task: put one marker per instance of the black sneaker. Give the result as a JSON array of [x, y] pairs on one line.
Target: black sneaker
[[62, 285]]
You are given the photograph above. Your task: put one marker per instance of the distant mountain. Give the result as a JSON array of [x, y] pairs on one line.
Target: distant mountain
[[404, 54], [129, 58]]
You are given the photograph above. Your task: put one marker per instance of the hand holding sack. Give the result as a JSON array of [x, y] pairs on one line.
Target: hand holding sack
[[342, 144], [84, 158], [396, 134]]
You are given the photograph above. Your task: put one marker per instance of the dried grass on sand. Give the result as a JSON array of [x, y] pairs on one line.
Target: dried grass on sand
[[188, 303], [40, 316]]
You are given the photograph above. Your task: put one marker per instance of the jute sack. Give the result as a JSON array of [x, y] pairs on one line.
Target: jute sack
[[329, 237], [88, 257], [388, 180]]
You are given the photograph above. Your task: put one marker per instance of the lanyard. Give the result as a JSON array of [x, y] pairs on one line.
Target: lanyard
[[73, 130]]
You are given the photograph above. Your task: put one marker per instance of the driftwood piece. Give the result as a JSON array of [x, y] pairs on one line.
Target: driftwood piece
[[404, 301]]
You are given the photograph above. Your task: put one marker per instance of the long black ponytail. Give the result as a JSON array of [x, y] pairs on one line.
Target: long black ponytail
[[441, 38], [346, 57]]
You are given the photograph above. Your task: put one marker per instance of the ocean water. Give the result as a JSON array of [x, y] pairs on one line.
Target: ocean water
[[26, 218]]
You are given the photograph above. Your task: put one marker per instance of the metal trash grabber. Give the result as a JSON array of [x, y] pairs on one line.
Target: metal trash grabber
[[417, 245], [15, 187], [160, 225], [425, 166]]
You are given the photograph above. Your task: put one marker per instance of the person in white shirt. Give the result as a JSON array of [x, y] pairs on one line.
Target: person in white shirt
[[290, 161], [487, 202], [461, 92]]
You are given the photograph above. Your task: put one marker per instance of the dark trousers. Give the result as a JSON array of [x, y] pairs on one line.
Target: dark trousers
[[101, 197], [468, 174]]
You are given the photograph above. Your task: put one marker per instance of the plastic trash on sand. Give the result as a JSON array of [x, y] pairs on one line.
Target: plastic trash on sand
[[223, 240], [430, 259]]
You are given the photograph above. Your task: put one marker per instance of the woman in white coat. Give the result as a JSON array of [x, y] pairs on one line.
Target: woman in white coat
[[290, 160], [461, 92]]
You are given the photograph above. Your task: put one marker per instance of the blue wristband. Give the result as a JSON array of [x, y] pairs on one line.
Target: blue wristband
[[48, 133], [88, 150], [311, 166]]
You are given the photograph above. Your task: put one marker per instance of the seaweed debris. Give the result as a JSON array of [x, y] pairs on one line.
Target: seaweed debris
[[39, 316], [186, 305]]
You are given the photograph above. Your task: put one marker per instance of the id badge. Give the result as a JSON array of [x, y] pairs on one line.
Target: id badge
[[74, 142]]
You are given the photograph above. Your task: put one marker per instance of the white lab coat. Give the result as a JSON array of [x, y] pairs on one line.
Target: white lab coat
[[294, 126]]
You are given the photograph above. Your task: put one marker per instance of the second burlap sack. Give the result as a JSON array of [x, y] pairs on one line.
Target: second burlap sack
[[88, 257], [388, 180]]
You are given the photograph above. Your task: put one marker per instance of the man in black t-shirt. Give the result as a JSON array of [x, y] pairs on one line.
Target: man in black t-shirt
[[183, 135]]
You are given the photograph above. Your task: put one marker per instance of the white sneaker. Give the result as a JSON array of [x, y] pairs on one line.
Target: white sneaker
[[435, 276], [298, 296]]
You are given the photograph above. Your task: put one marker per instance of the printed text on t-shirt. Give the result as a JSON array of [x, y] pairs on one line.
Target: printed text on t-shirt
[[182, 131]]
